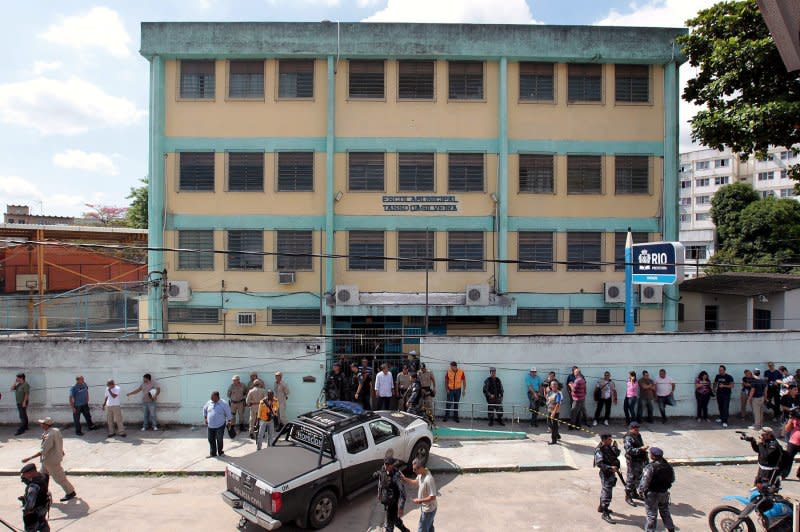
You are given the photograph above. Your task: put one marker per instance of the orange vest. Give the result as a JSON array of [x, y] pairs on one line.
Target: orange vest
[[454, 379], [266, 412]]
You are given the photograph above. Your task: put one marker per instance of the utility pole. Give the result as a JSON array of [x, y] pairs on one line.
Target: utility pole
[[164, 301]]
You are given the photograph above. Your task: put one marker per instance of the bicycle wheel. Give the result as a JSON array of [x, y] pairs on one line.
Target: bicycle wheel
[[724, 518]]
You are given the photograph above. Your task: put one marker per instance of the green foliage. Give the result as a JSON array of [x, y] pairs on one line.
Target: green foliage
[[137, 212], [726, 207]]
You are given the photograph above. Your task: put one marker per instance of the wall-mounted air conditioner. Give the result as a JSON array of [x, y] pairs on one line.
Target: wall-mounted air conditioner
[[477, 294], [346, 294], [650, 294], [614, 292], [179, 291], [285, 277]]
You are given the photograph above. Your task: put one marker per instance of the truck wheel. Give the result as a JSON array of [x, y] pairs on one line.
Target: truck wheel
[[322, 509], [420, 451]]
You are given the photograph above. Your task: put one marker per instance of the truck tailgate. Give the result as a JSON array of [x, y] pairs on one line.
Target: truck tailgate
[[280, 464]]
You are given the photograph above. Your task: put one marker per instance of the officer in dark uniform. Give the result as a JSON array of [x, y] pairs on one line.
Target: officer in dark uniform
[[414, 396], [493, 391], [770, 454], [335, 385], [606, 458], [392, 495], [654, 487], [36, 501], [635, 458]]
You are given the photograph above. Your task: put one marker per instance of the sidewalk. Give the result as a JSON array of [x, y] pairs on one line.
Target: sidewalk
[[182, 450]]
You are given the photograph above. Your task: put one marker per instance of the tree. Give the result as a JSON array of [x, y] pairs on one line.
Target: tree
[[750, 101], [726, 208], [137, 211], [106, 214]]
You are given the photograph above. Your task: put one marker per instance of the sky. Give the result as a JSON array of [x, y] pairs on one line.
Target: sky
[[74, 89]]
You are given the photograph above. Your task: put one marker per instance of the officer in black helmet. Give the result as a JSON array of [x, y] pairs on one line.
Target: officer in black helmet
[[36, 500], [636, 458], [606, 458], [656, 481], [414, 396]]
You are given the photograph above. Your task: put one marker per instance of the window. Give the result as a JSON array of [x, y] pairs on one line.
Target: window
[[535, 316], [246, 171], [296, 79], [721, 163], [585, 83], [536, 174], [632, 174], [298, 245], [366, 79], [576, 316], [537, 248], [767, 158], [722, 180], [246, 79], [536, 82], [686, 184], [465, 80], [785, 155], [241, 242], [295, 316], [584, 252], [365, 172], [767, 194], [295, 171], [685, 202], [196, 171], [702, 200], [382, 431], [695, 252], [415, 172], [784, 174], [465, 251], [684, 168], [193, 315], [712, 317], [619, 247], [701, 165], [196, 260], [762, 319], [465, 172], [415, 80], [197, 80], [584, 174], [602, 316], [702, 182], [355, 440], [685, 218], [632, 83], [787, 192], [766, 176], [417, 248], [702, 217], [245, 319], [366, 250]]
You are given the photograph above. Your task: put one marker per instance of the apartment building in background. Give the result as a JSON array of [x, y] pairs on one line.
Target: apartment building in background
[[402, 179]]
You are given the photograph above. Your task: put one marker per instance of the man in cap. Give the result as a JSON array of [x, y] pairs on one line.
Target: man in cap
[[35, 501], [657, 479], [51, 455], [79, 401], [237, 393], [402, 385], [254, 397], [281, 390], [770, 454], [251, 414], [391, 494], [493, 392], [428, 385], [533, 385], [606, 458], [635, 458]]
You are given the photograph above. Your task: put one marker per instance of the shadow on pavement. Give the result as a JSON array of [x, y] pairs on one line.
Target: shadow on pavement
[[72, 509]]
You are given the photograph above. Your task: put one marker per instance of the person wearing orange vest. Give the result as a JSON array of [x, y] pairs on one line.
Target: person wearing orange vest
[[456, 384], [268, 411]]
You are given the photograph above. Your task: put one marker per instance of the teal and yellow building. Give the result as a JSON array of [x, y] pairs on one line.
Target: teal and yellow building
[[381, 179]]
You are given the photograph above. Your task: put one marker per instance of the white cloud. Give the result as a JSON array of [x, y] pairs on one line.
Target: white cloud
[[90, 162], [16, 190], [326, 3], [479, 11], [64, 107], [368, 3], [40, 67], [663, 13], [100, 27]]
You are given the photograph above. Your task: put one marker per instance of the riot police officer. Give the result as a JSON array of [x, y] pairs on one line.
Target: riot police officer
[[392, 495], [414, 396], [635, 458], [335, 385], [36, 501], [606, 458], [657, 479]]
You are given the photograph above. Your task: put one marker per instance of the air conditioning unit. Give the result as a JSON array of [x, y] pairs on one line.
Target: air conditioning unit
[[245, 319], [346, 294], [477, 294], [27, 282], [650, 293], [285, 277], [179, 291], [614, 292]]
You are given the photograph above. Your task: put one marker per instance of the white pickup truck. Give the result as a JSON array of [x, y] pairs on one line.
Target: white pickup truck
[[317, 460]]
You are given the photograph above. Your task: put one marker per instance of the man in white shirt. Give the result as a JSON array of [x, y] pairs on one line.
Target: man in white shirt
[[384, 388], [114, 414], [665, 386], [426, 494]]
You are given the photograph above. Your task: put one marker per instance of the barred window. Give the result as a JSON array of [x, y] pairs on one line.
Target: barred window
[[537, 248], [366, 250], [416, 247], [246, 79], [295, 171], [296, 79], [365, 171], [465, 80], [415, 172], [576, 316], [465, 172], [196, 260], [246, 171], [465, 251], [584, 174], [602, 316], [415, 80], [193, 315], [585, 83], [298, 244], [197, 80], [619, 247], [632, 83], [535, 316], [250, 242], [536, 174], [366, 79], [196, 171], [584, 252], [295, 316], [632, 174], [536, 82]]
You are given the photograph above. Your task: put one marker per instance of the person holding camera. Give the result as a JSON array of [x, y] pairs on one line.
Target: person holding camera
[[792, 428], [770, 454], [36, 500], [606, 458], [392, 494], [268, 412]]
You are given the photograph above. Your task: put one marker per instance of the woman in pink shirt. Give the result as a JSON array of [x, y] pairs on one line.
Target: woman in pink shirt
[[631, 397], [792, 428]]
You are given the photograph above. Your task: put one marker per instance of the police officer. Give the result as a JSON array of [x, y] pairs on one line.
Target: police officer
[[414, 401], [635, 458], [35, 501], [606, 458], [428, 384], [493, 392], [770, 454], [335, 385], [654, 487], [392, 494]]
